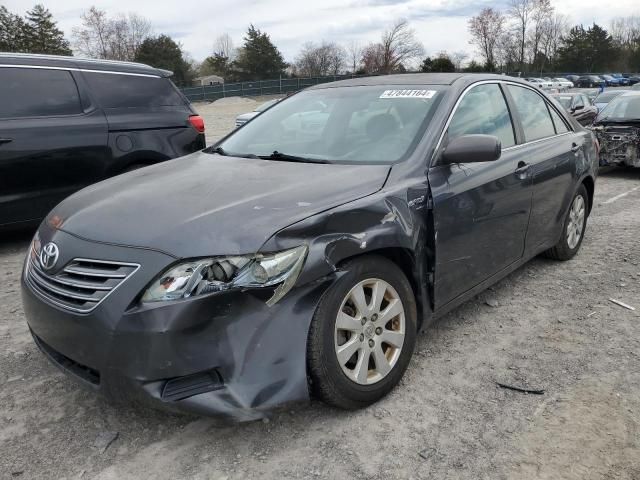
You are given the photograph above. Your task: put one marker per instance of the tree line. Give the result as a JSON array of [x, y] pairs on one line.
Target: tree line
[[528, 36]]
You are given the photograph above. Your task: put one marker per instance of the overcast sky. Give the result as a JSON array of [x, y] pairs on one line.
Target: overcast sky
[[439, 24]]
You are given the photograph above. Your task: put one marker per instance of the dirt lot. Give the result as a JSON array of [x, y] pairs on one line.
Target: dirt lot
[[551, 326]]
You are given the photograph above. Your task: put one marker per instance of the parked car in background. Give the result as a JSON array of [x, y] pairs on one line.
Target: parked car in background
[[622, 80], [633, 79], [286, 262], [618, 130], [67, 122], [605, 97], [590, 81], [563, 83], [245, 117], [572, 78], [540, 83], [578, 105], [610, 80]]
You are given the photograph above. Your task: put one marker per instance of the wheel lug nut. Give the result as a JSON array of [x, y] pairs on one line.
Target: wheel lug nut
[[362, 337], [371, 343], [364, 320], [374, 317], [379, 331]]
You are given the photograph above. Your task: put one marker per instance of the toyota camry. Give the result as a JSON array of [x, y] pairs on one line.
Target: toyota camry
[[300, 255]]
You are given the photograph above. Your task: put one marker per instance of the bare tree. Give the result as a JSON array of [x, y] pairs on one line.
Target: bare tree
[[328, 58], [541, 16], [373, 58], [354, 51], [458, 58], [486, 29], [399, 46], [116, 38], [555, 28], [224, 46], [521, 11]]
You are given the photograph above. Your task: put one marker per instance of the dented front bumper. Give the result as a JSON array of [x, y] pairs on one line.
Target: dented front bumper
[[226, 353], [619, 145]]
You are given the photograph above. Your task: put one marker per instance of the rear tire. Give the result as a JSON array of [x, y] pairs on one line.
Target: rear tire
[[575, 224], [362, 334]]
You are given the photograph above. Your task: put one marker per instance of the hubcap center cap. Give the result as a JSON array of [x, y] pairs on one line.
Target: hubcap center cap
[[369, 330]]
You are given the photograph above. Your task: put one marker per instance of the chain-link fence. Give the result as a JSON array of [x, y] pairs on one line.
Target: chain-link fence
[[278, 86]]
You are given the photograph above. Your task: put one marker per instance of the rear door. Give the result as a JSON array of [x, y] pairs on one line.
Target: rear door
[[51, 144], [549, 152], [480, 210]]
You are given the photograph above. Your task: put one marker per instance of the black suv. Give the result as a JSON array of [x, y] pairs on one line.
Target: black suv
[[66, 123]]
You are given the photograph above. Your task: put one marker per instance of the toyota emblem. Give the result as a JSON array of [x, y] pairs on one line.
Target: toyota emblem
[[49, 256]]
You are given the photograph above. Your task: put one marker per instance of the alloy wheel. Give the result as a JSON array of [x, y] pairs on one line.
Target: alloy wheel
[[369, 331], [576, 222]]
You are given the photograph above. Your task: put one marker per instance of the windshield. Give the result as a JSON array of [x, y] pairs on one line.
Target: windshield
[[607, 96], [266, 105], [565, 100], [622, 108], [364, 124]]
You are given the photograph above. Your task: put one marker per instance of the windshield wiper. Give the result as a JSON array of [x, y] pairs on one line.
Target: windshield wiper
[[223, 152], [276, 155]]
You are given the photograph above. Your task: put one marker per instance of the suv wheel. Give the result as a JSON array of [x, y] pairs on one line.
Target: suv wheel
[[362, 335]]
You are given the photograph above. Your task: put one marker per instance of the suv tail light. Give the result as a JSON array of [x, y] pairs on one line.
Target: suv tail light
[[197, 122]]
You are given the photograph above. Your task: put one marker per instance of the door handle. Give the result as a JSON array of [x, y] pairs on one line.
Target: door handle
[[5, 140], [575, 147], [522, 169]]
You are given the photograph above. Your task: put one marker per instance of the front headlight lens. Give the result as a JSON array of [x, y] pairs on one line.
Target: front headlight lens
[[198, 277]]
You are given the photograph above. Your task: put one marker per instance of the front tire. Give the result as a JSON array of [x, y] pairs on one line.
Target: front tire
[[575, 224], [362, 335]]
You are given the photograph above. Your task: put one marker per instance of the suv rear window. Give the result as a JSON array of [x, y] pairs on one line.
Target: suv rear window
[[125, 91], [31, 92]]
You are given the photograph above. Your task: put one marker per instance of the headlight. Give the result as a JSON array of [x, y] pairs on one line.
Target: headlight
[[198, 277]]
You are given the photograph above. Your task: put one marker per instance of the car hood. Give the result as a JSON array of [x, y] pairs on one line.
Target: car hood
[[205, 204]]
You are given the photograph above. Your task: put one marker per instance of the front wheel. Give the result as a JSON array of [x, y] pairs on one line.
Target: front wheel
[[575, 224], [362, 334]]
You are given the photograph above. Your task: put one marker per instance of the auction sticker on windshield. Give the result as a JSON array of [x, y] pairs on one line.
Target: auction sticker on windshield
[[408, 94]]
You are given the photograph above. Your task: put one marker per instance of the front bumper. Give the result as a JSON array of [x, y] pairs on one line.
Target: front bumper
[[226, 353]]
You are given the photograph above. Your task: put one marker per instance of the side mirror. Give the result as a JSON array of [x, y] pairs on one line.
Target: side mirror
[[472, 148], [578, 107]]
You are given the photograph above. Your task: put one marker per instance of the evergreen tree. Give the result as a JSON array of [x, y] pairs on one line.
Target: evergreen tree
[[163, 52], [12, 32], [42, 34], [591, 50], [259, 59]]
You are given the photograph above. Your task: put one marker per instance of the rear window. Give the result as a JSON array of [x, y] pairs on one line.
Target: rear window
[[126, 91], [30, 92]]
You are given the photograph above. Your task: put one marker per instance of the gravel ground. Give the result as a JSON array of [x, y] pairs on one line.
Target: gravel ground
[[547, 326]]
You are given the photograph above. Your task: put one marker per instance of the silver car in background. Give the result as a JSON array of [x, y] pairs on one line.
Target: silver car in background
[[245, 117]]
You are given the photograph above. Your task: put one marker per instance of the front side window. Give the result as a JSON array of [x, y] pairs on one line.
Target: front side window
[[360, 124], [483, 110], [533, 112], [31, 92]]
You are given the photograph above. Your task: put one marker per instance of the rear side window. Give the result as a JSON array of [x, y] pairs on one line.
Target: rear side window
[[126, 91], [37, 92], [483, 110], [533, 112], [561, 127]]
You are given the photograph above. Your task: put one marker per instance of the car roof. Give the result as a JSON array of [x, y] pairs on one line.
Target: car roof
[[59, 61], [416, 79]]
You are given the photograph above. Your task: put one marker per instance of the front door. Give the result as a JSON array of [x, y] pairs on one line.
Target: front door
[[481, 210]]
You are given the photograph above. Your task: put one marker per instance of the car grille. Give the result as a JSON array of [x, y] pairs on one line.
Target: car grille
[[81, 285]]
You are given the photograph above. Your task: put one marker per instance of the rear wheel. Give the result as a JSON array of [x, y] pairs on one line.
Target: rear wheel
[[362, 335], [575, 224]]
